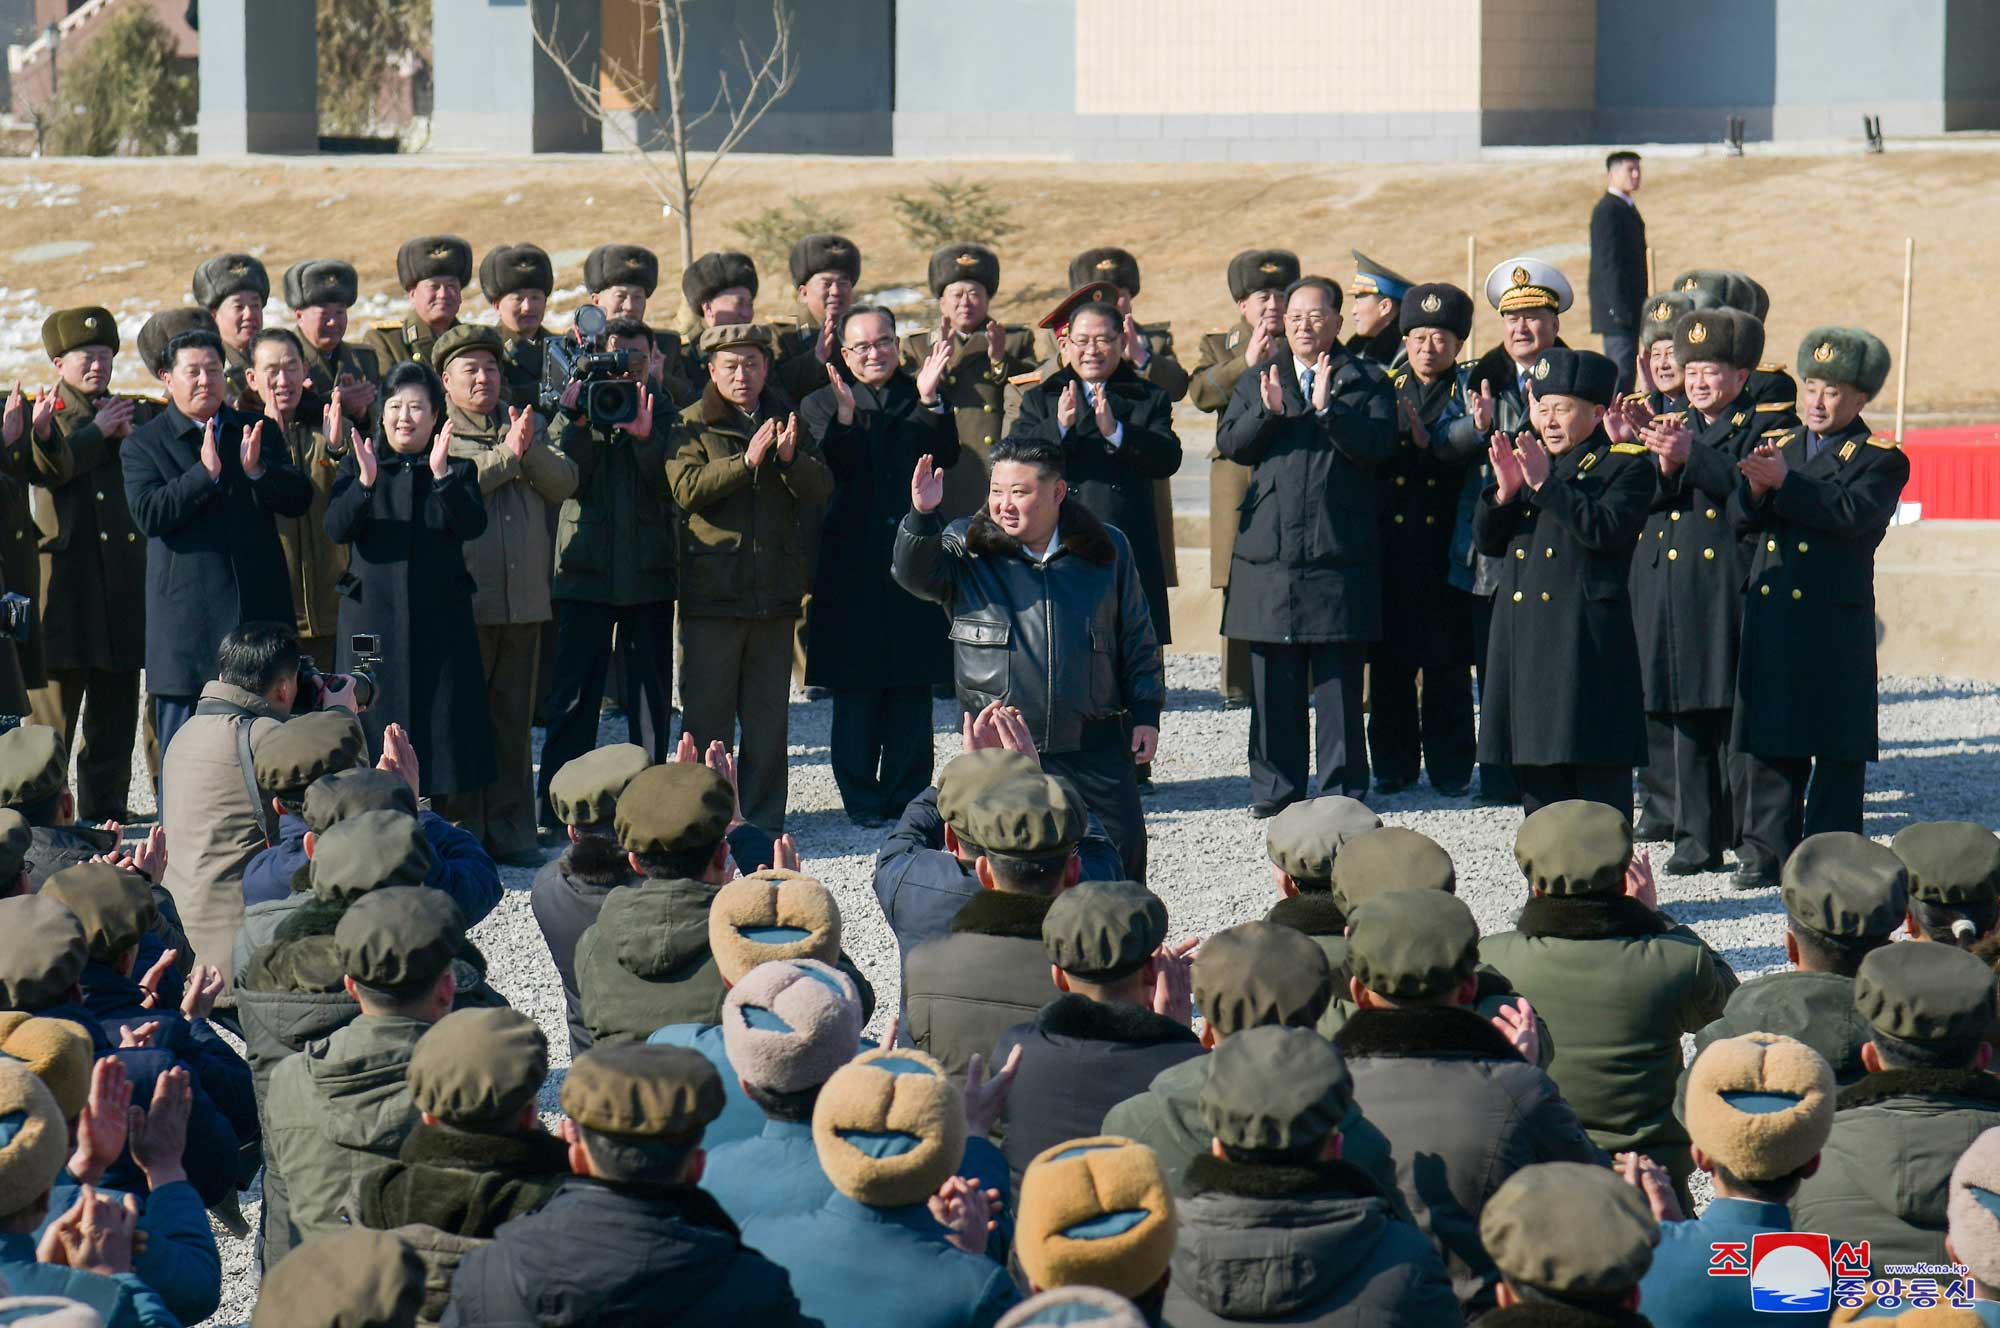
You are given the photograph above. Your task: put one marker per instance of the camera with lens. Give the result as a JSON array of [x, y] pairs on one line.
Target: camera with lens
[[17, 616], [367, 651], [608, 398]]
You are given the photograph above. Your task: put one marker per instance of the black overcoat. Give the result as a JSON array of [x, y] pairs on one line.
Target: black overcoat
[[406, 583], [865, 632]]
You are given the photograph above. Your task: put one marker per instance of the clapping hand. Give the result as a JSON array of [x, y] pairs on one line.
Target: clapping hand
[[1136, 349], [1322, 381], [159, 1134], [719, 759], [931, 374], [1413, 424], [1639, 879], [761, 444], [441, 451], [1483, 407], [520, 436], [1650, 1179], [1262, 338], [785, 853], [1067, 407], [986, 1098], [149, 982], [1271, 389], [926, 485], [1669, 439], [1765, 468], [1173, 981], [15, 418], [149, 855], [100, 1129], [113, 418], [965, 1211], [1107, 420], [251, 452], [641, 424], [45, 411], [359, 396], [843, 395], [1534, 459], [95, 1236], [1516, 1023], [333, 424], [823, 344], [203, 989], [399, 757], [1506, 463], [211, 455], [788, 440], [366, 468], [996, 344]]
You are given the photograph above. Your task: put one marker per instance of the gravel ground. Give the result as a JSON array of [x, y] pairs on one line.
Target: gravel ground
[[1941, 760]]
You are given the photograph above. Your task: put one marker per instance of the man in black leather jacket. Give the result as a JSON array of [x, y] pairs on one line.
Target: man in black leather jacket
[[1048, 617]]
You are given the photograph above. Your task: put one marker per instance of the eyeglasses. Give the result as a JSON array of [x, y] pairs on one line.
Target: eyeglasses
[[1306, 319], [881, 346], [1096, 343]]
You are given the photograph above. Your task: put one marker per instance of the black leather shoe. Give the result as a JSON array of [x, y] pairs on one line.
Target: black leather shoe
[[1652, 832], [1264, 811], [1387, 787], [1452, 788], [1680, 866], [1749, 876]]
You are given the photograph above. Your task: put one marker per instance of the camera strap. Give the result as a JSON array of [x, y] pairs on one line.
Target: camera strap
[[246, 764]]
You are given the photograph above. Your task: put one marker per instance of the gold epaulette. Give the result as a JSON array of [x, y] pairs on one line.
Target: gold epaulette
[[783, 320], [1768, 406], [388, 324], [1028, 379], [1629, 449], [1777, 433], [1775, 366], [1877, 440], [1635, 396]]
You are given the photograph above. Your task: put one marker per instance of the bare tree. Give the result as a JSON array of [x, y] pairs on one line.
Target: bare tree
[[741, 98]]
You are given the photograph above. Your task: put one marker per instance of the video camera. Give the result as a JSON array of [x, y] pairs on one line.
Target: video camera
[[608, 398], [367, 650]]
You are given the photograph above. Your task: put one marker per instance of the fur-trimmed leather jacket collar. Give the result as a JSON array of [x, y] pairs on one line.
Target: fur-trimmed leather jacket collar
[[1885, 1084], [1547, 1314], [1003, 913], [1081, 533], [1073, 1016], [1314, 914], [1209, 1174]]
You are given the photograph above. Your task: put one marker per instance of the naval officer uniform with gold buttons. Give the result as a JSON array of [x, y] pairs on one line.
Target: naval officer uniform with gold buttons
[[1561, 696], [1805, 692]]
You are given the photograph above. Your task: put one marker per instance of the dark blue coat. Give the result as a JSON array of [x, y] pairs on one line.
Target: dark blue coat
[[213, 559], [459, 866]]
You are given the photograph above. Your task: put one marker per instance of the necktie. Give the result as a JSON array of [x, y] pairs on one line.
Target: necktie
[[1306, 384]]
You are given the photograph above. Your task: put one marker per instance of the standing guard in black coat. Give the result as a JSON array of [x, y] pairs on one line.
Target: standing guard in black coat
[[1426, 620], [1563, 513], [878, 648], [1815, 500], [1618, 264], [1305, 580], [1687, 581]]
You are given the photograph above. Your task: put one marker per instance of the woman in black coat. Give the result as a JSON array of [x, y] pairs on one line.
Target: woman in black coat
[[879, 649], [404, 507]]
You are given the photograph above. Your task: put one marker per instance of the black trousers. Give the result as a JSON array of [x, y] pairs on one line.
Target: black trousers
[[1102, 773], [1496, 782], [1656, 780], [576, 691], [1695, 775], [1283, 678], [881, 748], [1786, 799], [1622, 349], [1544, 784], [1433, 728]]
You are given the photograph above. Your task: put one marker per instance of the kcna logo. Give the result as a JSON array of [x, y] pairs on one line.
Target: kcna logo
[[1801, 1272]]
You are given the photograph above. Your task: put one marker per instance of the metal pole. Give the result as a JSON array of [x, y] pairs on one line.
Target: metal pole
[[1652, 283], [1903, 347]]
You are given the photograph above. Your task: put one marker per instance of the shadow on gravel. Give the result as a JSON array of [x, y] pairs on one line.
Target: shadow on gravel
[[1746, 904]]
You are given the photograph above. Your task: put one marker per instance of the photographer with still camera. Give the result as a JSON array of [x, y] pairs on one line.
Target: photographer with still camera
[[615, 554], [405, 509], [211, 808]]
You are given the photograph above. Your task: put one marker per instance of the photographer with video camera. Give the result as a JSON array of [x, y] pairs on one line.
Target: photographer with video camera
[[615, 547], [405, 508], [211, 809]]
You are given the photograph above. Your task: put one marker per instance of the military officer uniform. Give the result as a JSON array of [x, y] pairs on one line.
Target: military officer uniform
[[215, 281], [1561, 701], [611, 265], [1426, 621], [1805, 698], [506, 270], [1687, 579], [317, 281], [974, 386], [1373, 280], [89, 584], [1222, 362], [424, 258], [798, 342], [20, 570], [728, 269]]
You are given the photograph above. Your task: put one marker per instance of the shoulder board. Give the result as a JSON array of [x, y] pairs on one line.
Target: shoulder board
[[1777, 433], [1629, 449], [1877, 440], [783, 320], [1773, 366], [1635, 396], [1771, 406], [387, 324], [1028, 379]]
